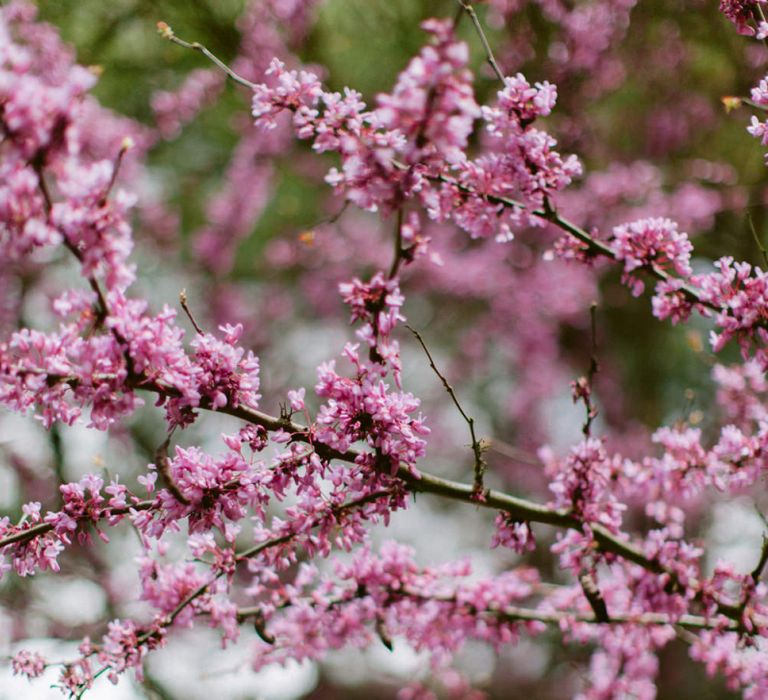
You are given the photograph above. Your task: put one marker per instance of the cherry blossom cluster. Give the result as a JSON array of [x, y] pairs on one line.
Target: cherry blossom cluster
[[431, 104], [521, 164], [61, 373], [384, 595], [651, 242], [37, 540], [742, 13], [581, 485]]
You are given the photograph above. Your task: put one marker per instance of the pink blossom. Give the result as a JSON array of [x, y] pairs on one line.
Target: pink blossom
[[651, 242], [28, 663]]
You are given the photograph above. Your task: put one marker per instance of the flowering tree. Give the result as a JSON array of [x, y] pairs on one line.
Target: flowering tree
[[265, 516]]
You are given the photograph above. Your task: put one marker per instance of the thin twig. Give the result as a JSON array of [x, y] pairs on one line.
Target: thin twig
[[57, 448], [331, 219], [478, 446], [759, 243], [126, 146], [167, 33], [524, 614], [686, 622], [557, 617], [470, 10], [593, 364], [185, 306], [43, 185], [164, 469], [747, 591], [583, 386], [101, 306]]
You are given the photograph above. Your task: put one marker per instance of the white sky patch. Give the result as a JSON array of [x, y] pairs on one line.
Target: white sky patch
[[196, 668], [735, 534]]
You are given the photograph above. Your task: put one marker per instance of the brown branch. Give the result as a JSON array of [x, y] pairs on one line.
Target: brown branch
[[185, 306], [593, 245], [583, 386], [43, 528], [512, 613], [517, 508], [101, 307], [594, 597], [556, 617], [125, 146], [757, 572], [164, 469], [689, 622]]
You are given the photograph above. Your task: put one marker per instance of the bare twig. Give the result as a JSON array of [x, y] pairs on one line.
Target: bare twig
[[582, 387], [759, 243], [164, 469], [185, 306], [167, 33], [101, 301], [593, 364], [470, 10], [686, 622], [126, 146], [478, 446], [331, 219]]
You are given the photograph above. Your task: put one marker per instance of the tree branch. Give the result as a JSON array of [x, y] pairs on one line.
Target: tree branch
[[167, 33], [478, 447], [470, 10]]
